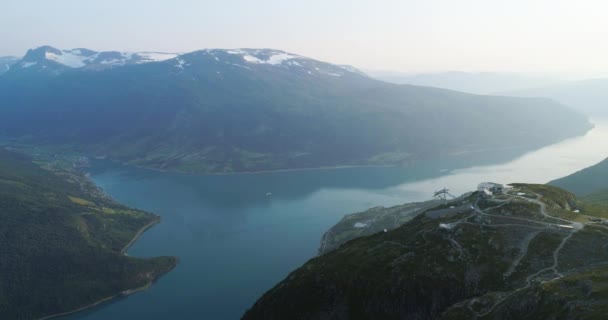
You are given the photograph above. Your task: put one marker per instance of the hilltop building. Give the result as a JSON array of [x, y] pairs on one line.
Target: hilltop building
[[490, 188]]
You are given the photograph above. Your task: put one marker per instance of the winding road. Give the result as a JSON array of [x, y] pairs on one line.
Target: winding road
[[575, 227]]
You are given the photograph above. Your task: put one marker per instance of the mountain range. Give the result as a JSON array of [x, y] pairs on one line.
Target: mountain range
[[236, 110]]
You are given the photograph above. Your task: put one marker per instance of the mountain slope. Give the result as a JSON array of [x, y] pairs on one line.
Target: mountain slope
[[477, 83], [591, 184], [587, 181], [525, 254], [6, 63], [261, 109], [587, 96], [61, 242]]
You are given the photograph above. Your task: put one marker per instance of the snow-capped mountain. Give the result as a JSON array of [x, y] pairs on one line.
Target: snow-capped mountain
[[232, 110], [263, 59], [55, 60]]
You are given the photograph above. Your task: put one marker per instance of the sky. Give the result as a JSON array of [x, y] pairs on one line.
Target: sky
[[534, 36]]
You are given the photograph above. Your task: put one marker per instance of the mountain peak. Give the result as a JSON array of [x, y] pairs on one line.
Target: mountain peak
[[265, 59]]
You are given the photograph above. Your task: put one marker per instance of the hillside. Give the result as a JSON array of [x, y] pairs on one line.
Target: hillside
[[471, 82], [586, 181], [6, 63], [526, 254], [590, 183], [255, 109], [62, 242], [371, 221], [586, 96]]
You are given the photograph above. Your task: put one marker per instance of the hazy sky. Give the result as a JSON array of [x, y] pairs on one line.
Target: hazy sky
[[402, 35]]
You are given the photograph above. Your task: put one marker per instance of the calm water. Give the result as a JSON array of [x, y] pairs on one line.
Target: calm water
[[235, 242]]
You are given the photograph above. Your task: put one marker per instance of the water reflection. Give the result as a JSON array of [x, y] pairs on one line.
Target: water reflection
[[219, 191], [235, 242]]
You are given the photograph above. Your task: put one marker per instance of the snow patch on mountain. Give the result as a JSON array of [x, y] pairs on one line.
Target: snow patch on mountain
[[349, 68], [112, 62], [252, 59], [283, 59], [68, 58], [263, 56], [279, 58], [28, 64], [155, 56], [88, 59], [180, 63]]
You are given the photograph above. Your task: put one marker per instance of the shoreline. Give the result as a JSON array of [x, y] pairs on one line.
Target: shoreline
[[67, 313], [124, 293], [408, 163], [451, 153], [139, 233], [251, 172], [121, 294]]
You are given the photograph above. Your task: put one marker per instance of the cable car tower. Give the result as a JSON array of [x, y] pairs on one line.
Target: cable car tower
[[443, 194]]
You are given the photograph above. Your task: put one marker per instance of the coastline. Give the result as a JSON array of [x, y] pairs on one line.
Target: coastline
[[139, 233], [126, 163], [67, 313], [123, 293], [410, 162]]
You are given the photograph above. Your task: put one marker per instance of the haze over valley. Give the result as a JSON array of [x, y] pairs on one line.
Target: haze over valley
[[314, 160]]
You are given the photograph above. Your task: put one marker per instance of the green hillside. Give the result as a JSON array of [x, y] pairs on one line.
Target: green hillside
[[62, 242], [526, 254], [591, 184], [587, 181]]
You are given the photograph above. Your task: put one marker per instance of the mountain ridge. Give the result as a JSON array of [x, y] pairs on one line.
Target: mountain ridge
[[56, 60]]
